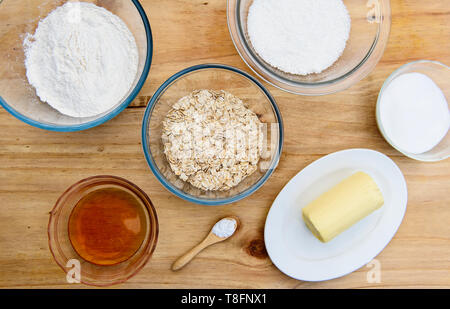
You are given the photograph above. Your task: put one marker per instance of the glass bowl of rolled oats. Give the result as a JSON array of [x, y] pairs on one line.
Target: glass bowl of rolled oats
[[212, 134]]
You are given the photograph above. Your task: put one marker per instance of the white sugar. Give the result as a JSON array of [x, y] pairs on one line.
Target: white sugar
[[299, 36], [414, 113]]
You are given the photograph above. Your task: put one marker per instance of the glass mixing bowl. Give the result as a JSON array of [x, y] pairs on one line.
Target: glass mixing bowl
[[65, 255], [19, 98], [440, 74], [214, 77], [370, 26]]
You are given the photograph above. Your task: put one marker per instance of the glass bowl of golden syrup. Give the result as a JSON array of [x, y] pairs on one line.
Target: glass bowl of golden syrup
[[102, 231]]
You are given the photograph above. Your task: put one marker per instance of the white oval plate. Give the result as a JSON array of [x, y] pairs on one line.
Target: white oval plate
[[294, 249]]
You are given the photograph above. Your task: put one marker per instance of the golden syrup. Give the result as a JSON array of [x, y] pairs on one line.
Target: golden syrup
[[107, 226]]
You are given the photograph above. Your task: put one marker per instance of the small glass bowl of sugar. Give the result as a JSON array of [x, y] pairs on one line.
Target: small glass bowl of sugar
[[413, 110]]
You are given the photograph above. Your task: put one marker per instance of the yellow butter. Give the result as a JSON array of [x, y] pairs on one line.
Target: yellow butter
[[342, 206]]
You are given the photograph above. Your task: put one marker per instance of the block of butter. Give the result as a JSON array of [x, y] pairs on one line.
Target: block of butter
[[342, 206]]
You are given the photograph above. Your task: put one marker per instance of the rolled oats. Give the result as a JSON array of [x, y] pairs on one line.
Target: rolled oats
[[212, 140]]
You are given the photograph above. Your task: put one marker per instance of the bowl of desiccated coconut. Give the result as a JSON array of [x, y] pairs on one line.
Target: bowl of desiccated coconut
[[310, 47], [212, 134]]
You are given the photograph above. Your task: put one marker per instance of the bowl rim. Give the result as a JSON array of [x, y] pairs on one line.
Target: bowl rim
[[397, 72], [167, 184], [364, 67], [115, 111], [152, 213]]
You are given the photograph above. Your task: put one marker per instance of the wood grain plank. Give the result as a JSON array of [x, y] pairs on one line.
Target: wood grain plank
[[37, 166]]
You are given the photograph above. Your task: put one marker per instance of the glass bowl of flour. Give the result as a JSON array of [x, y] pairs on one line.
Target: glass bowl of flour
[[198, 134], [69, 65], [310, 47]]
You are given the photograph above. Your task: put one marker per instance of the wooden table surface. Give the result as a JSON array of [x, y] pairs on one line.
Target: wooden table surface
[[37, 166]]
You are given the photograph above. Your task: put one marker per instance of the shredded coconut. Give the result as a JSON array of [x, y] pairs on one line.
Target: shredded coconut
[[299, 36], [82, 59], [224, 228]]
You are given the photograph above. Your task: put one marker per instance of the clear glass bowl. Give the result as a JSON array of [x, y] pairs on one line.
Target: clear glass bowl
[[215, 77], [440, 74], [61, 247], [19, 98], [371, 22]]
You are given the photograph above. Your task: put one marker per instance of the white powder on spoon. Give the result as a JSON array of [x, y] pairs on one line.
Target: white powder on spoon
[[225, 228], [82, 59], [299, 36]]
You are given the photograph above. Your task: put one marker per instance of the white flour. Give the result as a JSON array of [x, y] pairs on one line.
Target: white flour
[[299, 36], [82, 59]]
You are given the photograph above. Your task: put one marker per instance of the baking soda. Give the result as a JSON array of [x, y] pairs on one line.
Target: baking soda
[[224, 228], [299, 36], [414, 113]]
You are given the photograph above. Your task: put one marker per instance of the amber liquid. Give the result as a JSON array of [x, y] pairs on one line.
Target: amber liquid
[[107, 226]]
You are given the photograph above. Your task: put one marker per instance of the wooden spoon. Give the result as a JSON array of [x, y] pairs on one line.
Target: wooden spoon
[[209, 240]]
